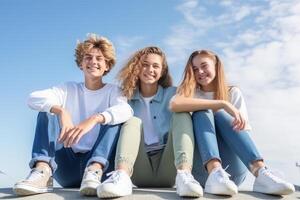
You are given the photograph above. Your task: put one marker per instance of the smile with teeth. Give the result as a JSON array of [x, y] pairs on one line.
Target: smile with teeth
[[94, 67], [149, 76]]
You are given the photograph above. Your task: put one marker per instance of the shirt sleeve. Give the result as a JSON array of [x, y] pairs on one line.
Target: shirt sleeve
[[119, 110], [44, 100], [237, 100]]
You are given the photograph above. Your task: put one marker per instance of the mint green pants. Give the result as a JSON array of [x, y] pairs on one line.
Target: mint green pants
[[158, 170]]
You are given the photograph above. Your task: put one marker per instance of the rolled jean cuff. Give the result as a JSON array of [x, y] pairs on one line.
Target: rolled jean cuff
[[213, 158], [183, 159], [100, 160], [46, 159], [125, 160]]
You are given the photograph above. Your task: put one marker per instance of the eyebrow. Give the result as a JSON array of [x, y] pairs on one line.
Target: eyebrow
[[148, 62]]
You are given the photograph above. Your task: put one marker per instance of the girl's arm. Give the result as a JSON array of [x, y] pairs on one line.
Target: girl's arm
[[189, 104]]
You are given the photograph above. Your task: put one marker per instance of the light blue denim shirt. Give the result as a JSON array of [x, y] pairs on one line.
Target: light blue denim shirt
[[159, 108]]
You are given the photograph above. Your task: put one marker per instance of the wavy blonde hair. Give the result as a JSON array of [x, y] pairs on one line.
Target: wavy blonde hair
[[188, 85], [128, 75], [98, 42]]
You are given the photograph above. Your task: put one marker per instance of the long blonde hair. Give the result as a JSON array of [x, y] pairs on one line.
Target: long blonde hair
[[188, 85], [128, 75]]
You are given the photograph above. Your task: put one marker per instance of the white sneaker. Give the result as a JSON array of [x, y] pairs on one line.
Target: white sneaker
[[266, 182], [117, 185], [186, 185], [90, 181], [38, 181], [218, 182]]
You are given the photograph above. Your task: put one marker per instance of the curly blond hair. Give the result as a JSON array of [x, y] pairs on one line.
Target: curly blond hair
[[188, 85], [128, 75], [95, 41]]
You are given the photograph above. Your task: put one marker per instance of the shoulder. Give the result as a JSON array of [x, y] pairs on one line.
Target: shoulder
[[235, 93], [112, 89], [70, 84], [110, 86], [170, 90]]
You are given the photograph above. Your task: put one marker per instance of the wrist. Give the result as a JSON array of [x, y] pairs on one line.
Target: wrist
[[98, 118], [57, 110], [223, 104]]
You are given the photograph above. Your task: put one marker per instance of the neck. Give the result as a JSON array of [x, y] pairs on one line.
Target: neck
[[208, 88], [148, 90], [93, 84]]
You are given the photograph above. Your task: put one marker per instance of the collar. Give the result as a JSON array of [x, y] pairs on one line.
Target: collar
[[157, 97]]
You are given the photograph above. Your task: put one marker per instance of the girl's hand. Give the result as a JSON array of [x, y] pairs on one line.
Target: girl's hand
[[239, 122], [75, 134]]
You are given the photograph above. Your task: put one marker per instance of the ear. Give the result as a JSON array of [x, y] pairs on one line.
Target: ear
[[106, 67]]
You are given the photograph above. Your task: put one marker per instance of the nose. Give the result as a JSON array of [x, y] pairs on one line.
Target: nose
[[94, 59]]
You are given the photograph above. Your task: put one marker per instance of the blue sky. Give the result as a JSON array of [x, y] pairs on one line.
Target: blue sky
[[257, 40]]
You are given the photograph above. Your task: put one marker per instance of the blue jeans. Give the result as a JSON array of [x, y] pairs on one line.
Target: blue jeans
[[216, 139], [68, 167]]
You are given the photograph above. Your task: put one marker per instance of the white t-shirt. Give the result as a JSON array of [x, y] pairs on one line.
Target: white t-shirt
[[82, 103], [236, 99], [151, 136]]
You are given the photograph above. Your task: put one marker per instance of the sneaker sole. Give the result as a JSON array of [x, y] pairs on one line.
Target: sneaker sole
[[210, 190], [25, 190], [190, 194], [107, 194], [284, 191], [89, 189]]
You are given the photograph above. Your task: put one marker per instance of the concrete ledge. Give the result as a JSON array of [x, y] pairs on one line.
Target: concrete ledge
[[142, 194]]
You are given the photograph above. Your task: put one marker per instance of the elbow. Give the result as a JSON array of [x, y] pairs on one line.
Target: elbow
[[30, 100]]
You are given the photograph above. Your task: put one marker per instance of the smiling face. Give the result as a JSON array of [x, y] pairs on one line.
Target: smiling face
[[93, 64], [204, 69], [150, 69]]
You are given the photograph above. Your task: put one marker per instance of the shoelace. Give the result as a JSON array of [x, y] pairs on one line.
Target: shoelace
[[188, 177], [35, 174], [114, 177], [272, 175], [223, 174]]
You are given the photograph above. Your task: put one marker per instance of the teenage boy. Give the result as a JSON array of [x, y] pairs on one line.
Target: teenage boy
[[77, 126]]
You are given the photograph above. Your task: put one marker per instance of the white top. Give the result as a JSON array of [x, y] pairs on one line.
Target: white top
[[236, 99], [82, 103], [151, 136]]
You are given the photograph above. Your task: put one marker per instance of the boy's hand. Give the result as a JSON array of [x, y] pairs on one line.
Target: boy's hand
[[66, 125], [74, 135]]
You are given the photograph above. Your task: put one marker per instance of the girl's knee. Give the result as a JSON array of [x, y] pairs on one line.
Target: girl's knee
[[133, 121], [201, 114]]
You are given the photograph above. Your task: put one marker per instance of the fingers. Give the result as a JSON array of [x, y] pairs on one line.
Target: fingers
[[239, 123], [72, 137], [63, 134]]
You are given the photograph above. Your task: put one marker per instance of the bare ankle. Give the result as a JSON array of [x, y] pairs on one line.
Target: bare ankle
[[212, 164], [124, 168], [184, 167], [96, 166], [256, 165]]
